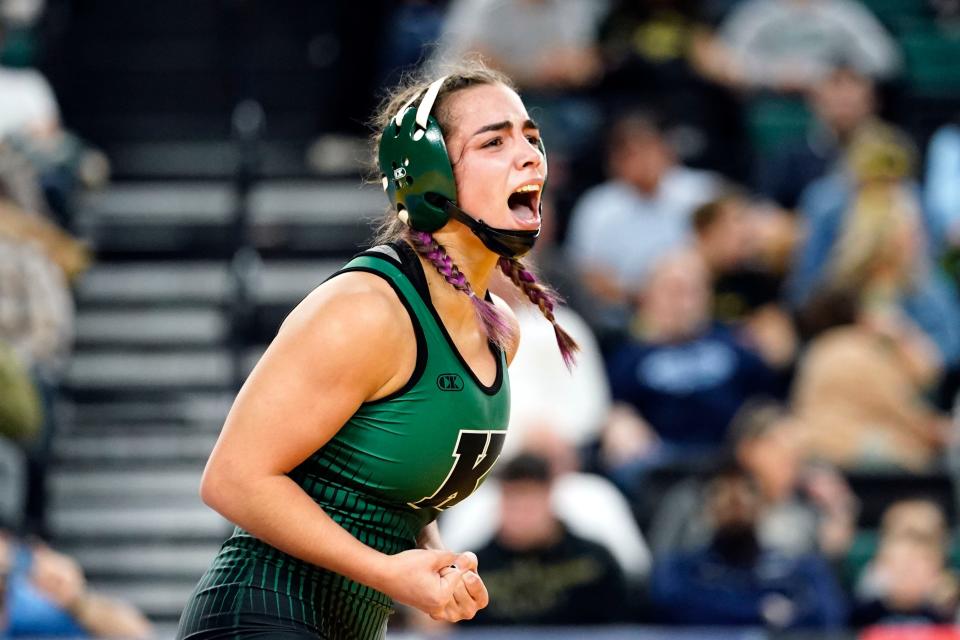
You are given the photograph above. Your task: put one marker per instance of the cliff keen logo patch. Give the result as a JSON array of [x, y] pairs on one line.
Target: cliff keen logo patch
[[449, 382]]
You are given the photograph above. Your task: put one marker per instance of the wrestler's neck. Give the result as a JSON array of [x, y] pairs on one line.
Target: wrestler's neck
[[469, 254]]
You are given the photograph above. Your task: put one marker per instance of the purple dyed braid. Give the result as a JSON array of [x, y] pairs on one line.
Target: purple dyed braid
[[493, 321], [546, 299]]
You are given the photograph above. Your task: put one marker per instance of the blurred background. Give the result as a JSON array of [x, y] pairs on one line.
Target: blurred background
[[753, 213]]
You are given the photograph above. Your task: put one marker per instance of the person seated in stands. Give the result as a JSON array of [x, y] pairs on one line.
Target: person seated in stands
[[735, 580], [684, 376], [47, 596], [909, 582], [877, 173], [30, 124], [789, 45], [536, 570], [861, 386], [28, 106], [804, 508], [842, 102], [942, 185], [661, 51], [745, 248], [589, 505], [36, 321], [619, 228]]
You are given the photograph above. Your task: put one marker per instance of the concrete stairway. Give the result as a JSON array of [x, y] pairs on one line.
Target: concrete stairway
[[154, 369]]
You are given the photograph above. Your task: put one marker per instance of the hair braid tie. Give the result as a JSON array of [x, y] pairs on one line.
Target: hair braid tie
[[544, 299], [496, 327]]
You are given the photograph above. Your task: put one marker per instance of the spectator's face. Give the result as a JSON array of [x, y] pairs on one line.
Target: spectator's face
[[917, 518], [726, 242], [733, 503], [492, 145], [773, 459], [641, 159], [676, 302], [843, 100], [910, 571], [526, 517]]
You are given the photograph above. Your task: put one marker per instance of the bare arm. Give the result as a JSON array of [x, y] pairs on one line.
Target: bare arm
[[348, 342]]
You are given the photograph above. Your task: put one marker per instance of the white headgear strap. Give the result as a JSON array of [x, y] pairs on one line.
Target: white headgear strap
[[426, 105]]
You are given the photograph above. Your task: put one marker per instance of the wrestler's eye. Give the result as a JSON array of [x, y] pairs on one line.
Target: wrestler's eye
[[495, 142]]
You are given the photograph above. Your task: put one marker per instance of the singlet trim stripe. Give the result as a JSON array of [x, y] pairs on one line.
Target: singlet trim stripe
[[421, 363], [497, 352]]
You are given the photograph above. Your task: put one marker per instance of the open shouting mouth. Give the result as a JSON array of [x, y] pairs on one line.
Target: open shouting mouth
[[524, 203]]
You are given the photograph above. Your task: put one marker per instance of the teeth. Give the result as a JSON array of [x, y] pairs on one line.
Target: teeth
[[528, 188]]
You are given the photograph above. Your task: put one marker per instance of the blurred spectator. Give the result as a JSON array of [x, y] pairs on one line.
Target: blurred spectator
[[548, 47], [736, 581], [47, 596], [842, 102], [803, 508], [742, 247], [908, 581], [30, 124], [619, 228], [685, 376], [790, 45], [877, 170], [36, 320], [19, 182], [414, 26], [19, 47], [13, 479], [942, 188], [540, 44], [536, 570], [28, 106], [608, 521], [860, 386], [654, 53]]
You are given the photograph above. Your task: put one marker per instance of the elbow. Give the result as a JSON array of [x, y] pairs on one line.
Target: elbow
[[214, 489]]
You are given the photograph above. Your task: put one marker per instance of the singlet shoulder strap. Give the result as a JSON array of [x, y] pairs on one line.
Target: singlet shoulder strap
[[401, 267]]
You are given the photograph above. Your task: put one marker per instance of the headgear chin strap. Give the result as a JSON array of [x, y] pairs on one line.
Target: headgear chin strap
[[509, 243]]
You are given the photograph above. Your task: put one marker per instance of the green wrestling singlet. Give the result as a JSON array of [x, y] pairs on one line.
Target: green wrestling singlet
[[386, 474]]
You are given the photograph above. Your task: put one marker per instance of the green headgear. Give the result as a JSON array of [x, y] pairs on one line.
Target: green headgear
[[414, 162], [418, 177]]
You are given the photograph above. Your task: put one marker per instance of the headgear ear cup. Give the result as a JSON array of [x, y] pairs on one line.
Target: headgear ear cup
[[414, 162]]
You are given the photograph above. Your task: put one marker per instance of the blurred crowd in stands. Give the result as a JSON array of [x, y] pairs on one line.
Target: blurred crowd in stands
[[754, 216], [42, 165], [757, 236]]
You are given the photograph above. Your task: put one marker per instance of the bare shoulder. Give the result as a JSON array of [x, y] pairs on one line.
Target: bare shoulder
[[511, 317], [356, 324], [346, 304]]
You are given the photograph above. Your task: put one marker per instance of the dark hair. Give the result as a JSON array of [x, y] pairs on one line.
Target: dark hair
[[827, 308], [756, 418], [526, 467], [707, 214], [634, 122], [463, 75]]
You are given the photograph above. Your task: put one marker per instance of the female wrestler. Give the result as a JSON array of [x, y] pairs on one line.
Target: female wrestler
[[384, 398]]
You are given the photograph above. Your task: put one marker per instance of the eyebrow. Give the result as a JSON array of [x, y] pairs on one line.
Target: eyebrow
[[505, 125]]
